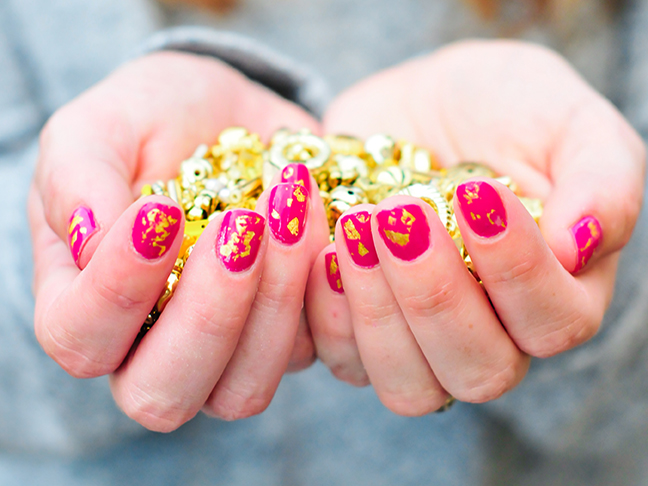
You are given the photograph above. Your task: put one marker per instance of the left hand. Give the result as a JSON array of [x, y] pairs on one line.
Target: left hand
[[412, 320]]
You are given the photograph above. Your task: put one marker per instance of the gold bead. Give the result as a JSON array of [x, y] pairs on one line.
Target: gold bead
[[345, 145], [381, 148], [232, 137]]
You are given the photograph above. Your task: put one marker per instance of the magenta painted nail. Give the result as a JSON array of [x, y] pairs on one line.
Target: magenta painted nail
[[239, 239], [287, 212], [155, 229], [588, 236], [356, 228], [82, 227], [405, 231], [296, 174], [482, 208], [333, 272]]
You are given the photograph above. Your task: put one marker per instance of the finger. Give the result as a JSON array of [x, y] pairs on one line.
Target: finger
[[544, 309], [598, 174], [329, 317], [391, 356], [264, 349], [447, 311], [87, 321], [172, 372], [101, 147], [303, 352]]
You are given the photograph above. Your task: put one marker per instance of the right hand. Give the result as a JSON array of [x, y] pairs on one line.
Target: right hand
[[226, 338]]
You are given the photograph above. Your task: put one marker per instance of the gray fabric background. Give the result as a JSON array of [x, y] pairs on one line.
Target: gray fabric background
[[578, 419]]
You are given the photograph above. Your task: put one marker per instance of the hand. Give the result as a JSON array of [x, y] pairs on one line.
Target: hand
[[225, 339], [412, 320]]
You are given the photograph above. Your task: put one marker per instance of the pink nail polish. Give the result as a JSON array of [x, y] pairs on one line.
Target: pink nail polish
[[155, 229], [405, 231], [82, 227], [287, 212], [588, 236], [356, 228], [296, 174], [333, 272], [482, 208], [239, 239]]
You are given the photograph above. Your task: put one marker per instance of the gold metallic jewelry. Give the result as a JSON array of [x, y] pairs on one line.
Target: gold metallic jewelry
[[233, 173]]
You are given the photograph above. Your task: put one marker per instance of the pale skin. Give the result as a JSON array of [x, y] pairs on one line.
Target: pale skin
[[416, 331], [526, 113]]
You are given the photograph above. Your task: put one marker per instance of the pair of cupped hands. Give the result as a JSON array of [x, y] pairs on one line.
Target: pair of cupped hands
[[416, 325]]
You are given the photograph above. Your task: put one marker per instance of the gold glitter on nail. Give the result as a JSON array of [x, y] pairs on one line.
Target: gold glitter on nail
[[400, 239], [299, 194], [333, 267], [362, 250], [407, 218], [158, 222], [500, 223], [471, 194], [75, 221], [350, 230], [293, 226]]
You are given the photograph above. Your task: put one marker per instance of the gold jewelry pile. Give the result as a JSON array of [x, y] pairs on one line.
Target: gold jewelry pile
[[348, 171]]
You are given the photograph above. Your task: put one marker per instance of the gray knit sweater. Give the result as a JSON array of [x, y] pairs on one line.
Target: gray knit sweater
[[578, 419]]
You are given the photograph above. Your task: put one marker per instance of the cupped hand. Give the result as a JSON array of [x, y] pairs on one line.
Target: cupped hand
[[226, 338], [411, 320]]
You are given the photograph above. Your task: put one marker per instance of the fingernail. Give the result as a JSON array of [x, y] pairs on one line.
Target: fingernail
[[239, 239], [356, 228], [588, 236], [405, 231], [82, 227], [333, 272], [482, 208], [296, 174], [287, 212], [155, 229]]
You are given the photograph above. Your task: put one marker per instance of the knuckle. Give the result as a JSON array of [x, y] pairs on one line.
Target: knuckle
[[485, 387], [376, 313], [153, 412], [567, 332], [111, 292], [443, 299], [525, 270], [220, 326], [68, 352], [276, 294], [243, 401]]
